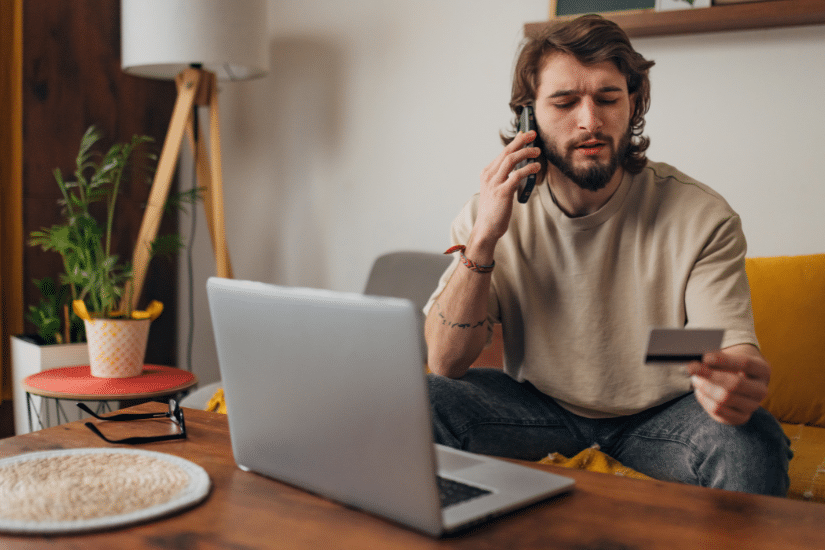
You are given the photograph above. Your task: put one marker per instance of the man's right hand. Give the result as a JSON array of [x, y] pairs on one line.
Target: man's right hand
[[456, 328], [499, 182]]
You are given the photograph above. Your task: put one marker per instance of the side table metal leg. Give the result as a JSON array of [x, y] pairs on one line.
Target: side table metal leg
[[104, 407], [29, 410], [58, 409]]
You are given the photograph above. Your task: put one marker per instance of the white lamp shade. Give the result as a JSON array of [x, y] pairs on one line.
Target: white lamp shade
[[160, 38]]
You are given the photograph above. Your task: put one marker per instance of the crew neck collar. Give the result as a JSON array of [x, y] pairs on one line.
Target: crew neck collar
[[583, 223]]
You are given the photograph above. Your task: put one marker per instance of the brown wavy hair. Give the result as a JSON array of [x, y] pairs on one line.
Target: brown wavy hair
[[591, 39]]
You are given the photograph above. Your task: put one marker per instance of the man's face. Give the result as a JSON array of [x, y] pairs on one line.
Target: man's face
[[583, 113]]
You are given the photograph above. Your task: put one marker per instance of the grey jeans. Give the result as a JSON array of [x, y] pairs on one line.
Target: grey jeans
[[489, 412]]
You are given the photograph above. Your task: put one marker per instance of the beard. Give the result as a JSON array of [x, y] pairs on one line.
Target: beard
[[595, 175]]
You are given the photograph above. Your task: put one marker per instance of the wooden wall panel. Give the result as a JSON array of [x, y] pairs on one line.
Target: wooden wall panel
[[11, 154], [72, 79]]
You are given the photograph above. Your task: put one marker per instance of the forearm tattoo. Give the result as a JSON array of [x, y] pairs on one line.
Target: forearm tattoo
[[453, 324]]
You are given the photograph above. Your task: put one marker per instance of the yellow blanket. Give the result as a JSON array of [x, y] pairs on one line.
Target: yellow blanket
[[217, 404], [594, 460]]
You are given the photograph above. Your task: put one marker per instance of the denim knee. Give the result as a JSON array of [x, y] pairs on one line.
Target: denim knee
[[489, 412], [759, 457], [457, 403], [751, 458], [683, 443]]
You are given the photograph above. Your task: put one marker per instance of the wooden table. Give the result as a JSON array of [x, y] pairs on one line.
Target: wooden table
[[78, 384], [247, 511]]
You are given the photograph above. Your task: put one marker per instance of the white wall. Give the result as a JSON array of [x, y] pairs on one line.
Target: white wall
[[377, 117], [744, 113]]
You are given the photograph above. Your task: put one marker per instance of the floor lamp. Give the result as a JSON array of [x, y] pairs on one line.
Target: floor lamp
[[195, 43]]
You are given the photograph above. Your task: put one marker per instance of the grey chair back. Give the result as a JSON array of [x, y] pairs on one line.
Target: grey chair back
[[407, 274]]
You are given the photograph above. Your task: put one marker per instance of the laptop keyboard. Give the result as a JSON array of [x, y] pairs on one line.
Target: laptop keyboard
[[454, 492]]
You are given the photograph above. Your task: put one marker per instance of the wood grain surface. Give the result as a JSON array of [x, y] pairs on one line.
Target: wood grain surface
[[247, 511]]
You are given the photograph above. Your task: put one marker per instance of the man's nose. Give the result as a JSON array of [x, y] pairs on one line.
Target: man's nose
[[589, 116]]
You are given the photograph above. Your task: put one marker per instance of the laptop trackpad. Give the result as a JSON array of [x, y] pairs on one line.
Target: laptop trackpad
[[451, 461]]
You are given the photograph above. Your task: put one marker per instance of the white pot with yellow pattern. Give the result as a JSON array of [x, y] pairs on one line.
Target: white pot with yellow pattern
[[117, 347]]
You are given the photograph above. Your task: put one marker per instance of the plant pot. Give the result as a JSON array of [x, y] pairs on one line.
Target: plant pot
[[117, 347], [30, 356]]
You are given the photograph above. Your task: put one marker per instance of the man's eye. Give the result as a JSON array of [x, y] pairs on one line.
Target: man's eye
[[605, 101], [565, 105]]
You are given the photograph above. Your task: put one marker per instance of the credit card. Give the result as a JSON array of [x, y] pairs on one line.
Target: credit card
[[681, 345]]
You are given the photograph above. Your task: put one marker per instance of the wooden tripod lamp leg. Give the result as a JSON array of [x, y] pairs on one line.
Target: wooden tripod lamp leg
[[191, 84], [188, 83], [208, 170], [223, 264]]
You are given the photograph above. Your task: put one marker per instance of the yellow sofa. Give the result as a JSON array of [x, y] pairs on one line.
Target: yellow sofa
[[788, 297]]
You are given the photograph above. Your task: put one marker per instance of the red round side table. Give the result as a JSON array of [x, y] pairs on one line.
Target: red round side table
[[78, 384]]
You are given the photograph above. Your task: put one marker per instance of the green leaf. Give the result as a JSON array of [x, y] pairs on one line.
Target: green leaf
[[166, 245]]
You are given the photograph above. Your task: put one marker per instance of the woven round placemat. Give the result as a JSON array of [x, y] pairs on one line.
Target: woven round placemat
[[75, 490]]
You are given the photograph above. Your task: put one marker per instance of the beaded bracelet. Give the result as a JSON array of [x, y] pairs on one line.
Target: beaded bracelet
[[469, 263]]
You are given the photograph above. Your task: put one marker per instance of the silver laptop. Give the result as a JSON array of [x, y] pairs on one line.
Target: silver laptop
[[326, 391]]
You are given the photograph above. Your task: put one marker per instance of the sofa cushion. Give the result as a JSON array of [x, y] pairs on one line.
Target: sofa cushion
[[788, 297], [807, 469]]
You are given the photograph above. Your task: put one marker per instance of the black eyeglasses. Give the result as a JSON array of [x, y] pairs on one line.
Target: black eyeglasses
[[175, 414]]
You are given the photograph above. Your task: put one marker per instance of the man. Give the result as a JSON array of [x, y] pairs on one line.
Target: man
[[608, 246]]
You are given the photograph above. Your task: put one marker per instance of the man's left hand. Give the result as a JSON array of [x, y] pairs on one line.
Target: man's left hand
[[731, 383]]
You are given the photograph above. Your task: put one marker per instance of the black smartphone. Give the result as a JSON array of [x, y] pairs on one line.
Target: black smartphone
[[527, 122]]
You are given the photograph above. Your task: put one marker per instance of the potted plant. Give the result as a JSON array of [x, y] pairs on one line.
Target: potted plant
[[95, 278]]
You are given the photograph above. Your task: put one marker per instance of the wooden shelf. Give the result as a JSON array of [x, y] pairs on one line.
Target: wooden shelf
[[730, 17]]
